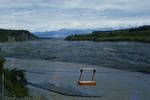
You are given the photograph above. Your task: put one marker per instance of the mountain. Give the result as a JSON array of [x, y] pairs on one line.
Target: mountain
[[65, 32], [7, 35], [139, 34], [60, 33]]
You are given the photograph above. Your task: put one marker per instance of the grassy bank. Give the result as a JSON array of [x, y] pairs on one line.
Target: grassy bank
[[139, 34], [14, 81]]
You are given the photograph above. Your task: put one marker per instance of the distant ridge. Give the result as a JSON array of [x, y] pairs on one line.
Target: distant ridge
[[62, 33], [138, 34], [7, 35]]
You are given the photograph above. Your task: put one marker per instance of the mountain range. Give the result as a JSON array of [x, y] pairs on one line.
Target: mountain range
[[66, 32]]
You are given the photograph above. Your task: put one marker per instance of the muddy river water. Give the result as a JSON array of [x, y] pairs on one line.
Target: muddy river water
[[52, 68]]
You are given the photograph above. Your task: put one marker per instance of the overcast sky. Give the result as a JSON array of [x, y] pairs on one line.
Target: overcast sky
[[47, 15]]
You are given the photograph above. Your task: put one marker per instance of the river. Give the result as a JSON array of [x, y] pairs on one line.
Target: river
[[52, 68], [120, 55]]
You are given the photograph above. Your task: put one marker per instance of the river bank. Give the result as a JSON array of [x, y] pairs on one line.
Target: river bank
[[111, 84]]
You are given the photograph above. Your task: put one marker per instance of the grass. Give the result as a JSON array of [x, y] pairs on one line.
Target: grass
[[25, 98], [14, 81]]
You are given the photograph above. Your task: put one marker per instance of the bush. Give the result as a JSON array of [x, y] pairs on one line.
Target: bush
[[15, 82]]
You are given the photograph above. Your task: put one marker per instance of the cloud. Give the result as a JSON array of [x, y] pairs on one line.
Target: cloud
[[45, 15]]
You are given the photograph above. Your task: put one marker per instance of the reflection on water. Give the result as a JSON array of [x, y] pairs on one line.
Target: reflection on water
[[135, 96]]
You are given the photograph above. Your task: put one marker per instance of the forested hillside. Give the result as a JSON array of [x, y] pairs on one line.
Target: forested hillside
[[139, 34], [16, 35]]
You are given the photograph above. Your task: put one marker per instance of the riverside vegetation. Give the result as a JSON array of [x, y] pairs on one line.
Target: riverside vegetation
[[15, 85], [138, 34], [14, 80]]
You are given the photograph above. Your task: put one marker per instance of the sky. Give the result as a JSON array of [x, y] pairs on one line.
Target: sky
[[49, 15]]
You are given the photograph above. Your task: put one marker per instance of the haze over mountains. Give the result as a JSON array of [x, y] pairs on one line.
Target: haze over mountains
[[66, 32]]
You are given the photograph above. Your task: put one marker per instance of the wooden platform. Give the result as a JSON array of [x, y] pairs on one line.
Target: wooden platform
[[87, 83]]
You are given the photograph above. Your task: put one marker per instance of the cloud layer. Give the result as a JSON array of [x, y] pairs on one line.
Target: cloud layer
[[46, 15]]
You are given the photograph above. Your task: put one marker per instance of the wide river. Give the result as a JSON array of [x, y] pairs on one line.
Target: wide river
[[122, 55], [53, 68]]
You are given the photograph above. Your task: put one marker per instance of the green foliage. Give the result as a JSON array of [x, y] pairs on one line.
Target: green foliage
[[1, 65], [15, 82], [15, 35], [140, 34]]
